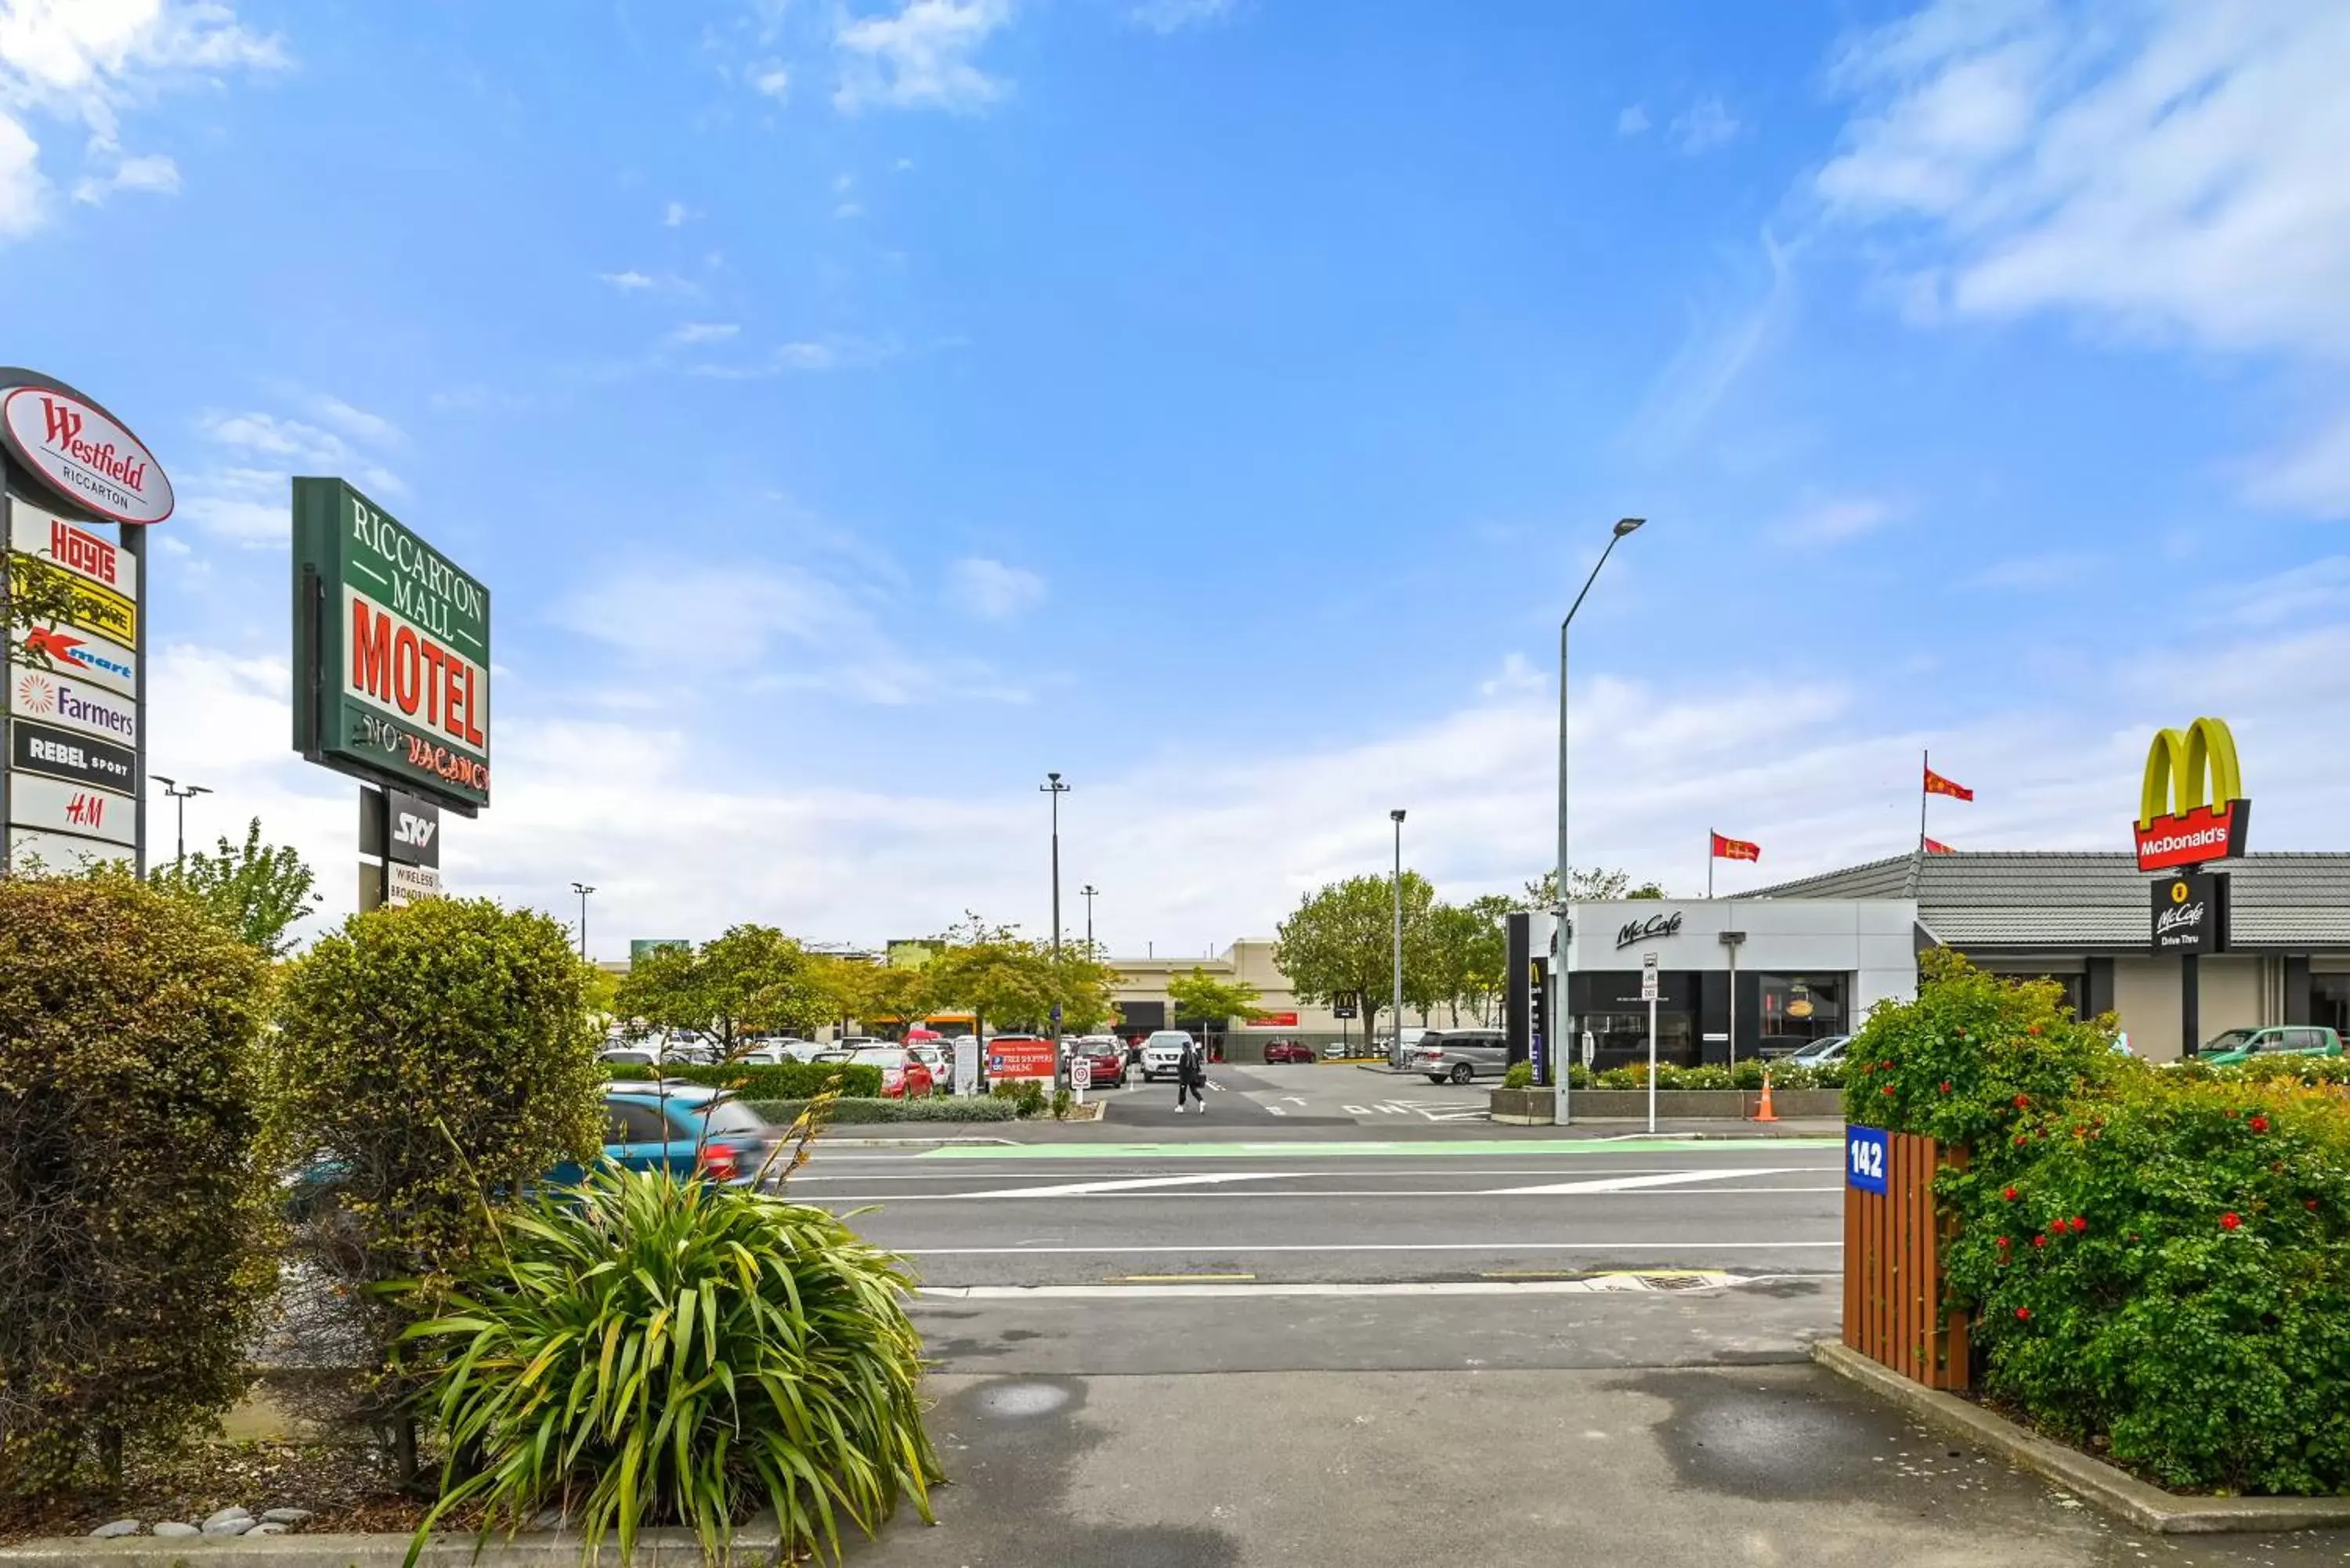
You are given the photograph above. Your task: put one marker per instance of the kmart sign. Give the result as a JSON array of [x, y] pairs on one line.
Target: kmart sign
[[391, 654]]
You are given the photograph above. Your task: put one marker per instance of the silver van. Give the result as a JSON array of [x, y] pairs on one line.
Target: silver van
[[1460, 1055]]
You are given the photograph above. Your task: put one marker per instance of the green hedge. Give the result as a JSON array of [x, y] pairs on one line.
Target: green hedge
[[849, 1112], [2155, 1260], [785, 1081], [1747, 1074]]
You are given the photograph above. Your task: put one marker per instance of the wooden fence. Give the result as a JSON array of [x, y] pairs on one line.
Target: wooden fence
[[1893, 1291]]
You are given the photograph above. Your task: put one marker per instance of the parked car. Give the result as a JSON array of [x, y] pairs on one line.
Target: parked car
[[1773, 1047], [682, 1128], [857, 1042], [1104, 1057], [1162, 1053], [627, 1056], [931, 1054], [1288, 1050], [1821, 1052], [1458, 1056], [2237, 1046], [904, 1075]]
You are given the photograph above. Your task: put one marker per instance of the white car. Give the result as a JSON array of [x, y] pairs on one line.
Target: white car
[[1162, 1053]]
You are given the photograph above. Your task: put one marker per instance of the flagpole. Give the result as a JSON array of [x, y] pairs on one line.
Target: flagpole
[[1924, 767], [1709, 865]]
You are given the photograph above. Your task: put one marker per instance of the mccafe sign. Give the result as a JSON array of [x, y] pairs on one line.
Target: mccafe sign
[[1656, 928]]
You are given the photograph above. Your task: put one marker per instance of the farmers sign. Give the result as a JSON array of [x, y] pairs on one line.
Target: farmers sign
[[391, 652]]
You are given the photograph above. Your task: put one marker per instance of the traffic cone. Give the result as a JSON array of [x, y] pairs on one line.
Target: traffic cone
[[1764, 1113]]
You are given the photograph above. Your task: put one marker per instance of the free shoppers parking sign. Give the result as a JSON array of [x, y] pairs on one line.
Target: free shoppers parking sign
[[391, 663]]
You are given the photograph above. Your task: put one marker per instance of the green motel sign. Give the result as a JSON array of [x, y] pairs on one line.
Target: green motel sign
[[391, 652]]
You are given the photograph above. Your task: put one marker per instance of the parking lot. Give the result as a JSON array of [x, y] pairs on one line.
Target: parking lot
[[1259, 1093]]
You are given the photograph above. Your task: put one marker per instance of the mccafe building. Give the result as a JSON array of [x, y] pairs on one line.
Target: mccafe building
[[1809, 957]]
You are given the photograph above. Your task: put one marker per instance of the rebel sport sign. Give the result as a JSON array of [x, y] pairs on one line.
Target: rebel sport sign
[[391, 657]]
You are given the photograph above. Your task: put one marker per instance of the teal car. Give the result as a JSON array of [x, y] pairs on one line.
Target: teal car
[[2276, 1039]]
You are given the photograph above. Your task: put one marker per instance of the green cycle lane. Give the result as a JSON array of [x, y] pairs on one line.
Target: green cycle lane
[[1439, 1149]]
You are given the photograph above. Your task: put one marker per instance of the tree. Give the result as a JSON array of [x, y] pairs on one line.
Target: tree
[[752, 980], [1593, 883], [1199, 994], [40, 595], [1084, 985], [999, 977], [860, 990], [1339, 943], [256, 891]]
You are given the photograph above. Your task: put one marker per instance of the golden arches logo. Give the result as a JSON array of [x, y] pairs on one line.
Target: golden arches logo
[[2185, 772]]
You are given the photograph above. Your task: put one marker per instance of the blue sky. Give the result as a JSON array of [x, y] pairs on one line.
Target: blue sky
[[858, 409]]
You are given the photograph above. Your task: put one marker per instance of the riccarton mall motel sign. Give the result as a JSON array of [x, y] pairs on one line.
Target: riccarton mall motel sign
[[391, 678], [78, 494]]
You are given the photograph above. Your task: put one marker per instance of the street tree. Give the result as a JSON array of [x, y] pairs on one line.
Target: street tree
[[1340, 941], [1586, 883], [257, 890], [996, 975], [752, 980], [1084, 985], [1199, 994]]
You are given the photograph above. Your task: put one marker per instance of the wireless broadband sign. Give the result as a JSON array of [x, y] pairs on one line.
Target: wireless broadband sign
[[391, 681]]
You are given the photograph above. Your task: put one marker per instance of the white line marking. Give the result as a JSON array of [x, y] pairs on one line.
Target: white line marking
[[1627, 1183], [1603, 1284], [1120, 1168], [1356, 1110], [1204, 1250], [1100, 1188], [1311, 1192], [1277, 1110]]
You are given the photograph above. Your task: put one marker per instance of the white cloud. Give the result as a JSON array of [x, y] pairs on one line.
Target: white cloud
[[826, 354], [1632, 121], [1720, 344], [2042, 574], [154, 174], [1515, 679], [772, 79], [2312, 477], [677, 214], [244, 494], [1173, 16], [82, 63], [1704, 126], [919, 57], [704, 332], [845, 211], [628, 282], [992, 590], [1835, 519], [2170, 169]]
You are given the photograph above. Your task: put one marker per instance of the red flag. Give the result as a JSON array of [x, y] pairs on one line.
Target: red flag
[[1735, 849], [1937, 784], [1936, 846]]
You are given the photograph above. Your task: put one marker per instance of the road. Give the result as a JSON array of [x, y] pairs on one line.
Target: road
[[1270, 1096], [1257, 1338]]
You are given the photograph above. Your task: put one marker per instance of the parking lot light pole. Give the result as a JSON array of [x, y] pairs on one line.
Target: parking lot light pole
[[1396, 1053], [1086, 893], [583, 889], [1560, 1013], [1053, 787], [182, 793]]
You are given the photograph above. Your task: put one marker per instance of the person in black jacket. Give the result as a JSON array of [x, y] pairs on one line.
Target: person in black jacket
[[1192, 1077]]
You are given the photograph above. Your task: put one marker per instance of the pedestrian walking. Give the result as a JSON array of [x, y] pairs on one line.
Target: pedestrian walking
[[1192, 1077]]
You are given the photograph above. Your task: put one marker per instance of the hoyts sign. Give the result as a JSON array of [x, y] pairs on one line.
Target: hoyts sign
[[2193, 807], [81, 451], [391, 652]]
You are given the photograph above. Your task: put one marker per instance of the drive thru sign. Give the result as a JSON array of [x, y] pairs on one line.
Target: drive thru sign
[[1647, 977]]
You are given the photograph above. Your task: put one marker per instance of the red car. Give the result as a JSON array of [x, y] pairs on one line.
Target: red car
[[1107, 1058], [1288, 1050], [904, 1075]]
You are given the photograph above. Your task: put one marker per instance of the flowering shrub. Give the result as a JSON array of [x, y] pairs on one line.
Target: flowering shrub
[[1746, 1075]]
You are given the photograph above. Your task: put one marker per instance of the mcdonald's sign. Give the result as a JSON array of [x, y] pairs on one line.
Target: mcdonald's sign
[[2193, 807]]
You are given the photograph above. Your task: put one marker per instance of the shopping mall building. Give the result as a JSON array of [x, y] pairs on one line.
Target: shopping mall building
[[1811, 957]]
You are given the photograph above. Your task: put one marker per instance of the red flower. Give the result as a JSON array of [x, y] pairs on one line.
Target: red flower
[[1946, 1085], [2079, 1224], [1888, 1089], [2022, 1101], [2020, 1140], [2039, 1240], [2260, 1124], [2309, 1203], [2023, 1314], [2034, 1030], [2004, 1243], [2230, 1219], [1885, 1066]]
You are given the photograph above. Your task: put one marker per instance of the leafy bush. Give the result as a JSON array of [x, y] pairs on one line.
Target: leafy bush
[[1746, 1075], [1026, 1094], [1521, 1075], [846, 1111], [130, 1201], [1061, 1104], [782, 1081], [643, 1351], [431, 1060]]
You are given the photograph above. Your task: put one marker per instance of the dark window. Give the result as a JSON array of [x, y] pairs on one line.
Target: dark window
[[632, 1122], [1804, 1006]]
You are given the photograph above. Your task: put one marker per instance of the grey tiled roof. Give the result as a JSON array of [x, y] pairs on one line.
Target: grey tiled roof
[[2085, 899]]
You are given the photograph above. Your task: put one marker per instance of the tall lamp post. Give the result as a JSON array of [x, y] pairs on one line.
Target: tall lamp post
[[1053, 787], [182, 794], [583, 889], [1394, 1051], [1559, 1017], [1086, 893]]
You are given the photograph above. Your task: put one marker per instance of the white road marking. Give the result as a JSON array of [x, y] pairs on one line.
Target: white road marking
[[931, 1172], [1602, 1285], [1312, 1192], [1627, 1183], [1097, 1189], [1205, 1250], [1356, 1110], [1277, 1110]]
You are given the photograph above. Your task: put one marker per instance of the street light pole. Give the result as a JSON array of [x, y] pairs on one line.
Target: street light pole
[[1087, 892], [1560, 1018], [1053, 787], [583, 889], [1395, 1052], [181, 794]]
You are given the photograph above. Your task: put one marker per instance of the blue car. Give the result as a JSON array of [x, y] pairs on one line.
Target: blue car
[[684, 1128]]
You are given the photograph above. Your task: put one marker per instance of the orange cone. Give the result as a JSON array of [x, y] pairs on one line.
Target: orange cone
[[1764, 1113]]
